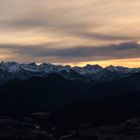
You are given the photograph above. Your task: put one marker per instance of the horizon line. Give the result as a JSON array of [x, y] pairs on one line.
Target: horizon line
[[69, 64]]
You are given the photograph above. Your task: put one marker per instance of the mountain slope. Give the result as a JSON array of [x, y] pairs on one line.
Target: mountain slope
[[54, 92]]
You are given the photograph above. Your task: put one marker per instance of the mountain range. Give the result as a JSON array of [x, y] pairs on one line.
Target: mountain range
[[47, 87], [13, 70], [72, 95]]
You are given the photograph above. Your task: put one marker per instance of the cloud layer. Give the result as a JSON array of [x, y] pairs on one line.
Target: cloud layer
[[69, 31], [76, 54]]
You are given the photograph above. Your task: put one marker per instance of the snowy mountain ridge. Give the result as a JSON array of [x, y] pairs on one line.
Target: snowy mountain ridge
[[13, 70]]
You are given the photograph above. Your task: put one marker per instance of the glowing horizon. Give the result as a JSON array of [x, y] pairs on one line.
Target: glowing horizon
[[105, 63], [124, 63]]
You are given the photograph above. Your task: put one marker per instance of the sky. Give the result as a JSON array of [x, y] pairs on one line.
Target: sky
[[73, 32]]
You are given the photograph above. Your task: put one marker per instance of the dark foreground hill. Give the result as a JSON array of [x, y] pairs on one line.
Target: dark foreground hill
[[55, 92], [57, 108]]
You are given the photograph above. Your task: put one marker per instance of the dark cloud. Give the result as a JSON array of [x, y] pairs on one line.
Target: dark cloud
[[78, 53]]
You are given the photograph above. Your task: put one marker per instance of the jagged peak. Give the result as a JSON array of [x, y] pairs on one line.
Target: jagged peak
[[92, 66]]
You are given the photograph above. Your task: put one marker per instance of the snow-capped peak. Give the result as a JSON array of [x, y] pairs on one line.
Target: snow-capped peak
[[117, 69], [121, 69], [88, 69]]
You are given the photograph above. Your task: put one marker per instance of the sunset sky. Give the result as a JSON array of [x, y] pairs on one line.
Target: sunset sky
[[75, 32]]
